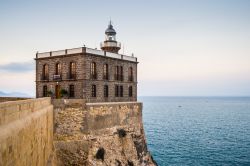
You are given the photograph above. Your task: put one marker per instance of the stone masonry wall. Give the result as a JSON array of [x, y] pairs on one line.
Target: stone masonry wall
[[83, 82], [26, 132], [111, 82], [65, 82], [101, 134]]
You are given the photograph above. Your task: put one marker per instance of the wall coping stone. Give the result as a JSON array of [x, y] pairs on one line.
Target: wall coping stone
[[14, 110], [112, 103]]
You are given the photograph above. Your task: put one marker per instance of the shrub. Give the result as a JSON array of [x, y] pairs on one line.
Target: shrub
[[49, 93], [63, 92]]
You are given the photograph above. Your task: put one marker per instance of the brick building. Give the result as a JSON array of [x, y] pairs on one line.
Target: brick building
[[95, 75]]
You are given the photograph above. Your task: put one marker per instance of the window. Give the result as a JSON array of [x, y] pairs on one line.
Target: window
[[116, 91], [121, 91], [130, 91], [45, 74], [119, 73], [45, 91], [93, 70], [105, 72], [130, 74], [71, 91], [106, 91], [72, 70], [58, 69], [93, 91]]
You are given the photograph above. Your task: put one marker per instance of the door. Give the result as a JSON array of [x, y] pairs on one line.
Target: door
[[57, 91]]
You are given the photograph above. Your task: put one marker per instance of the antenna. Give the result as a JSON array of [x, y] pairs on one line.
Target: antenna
[[110, 22]]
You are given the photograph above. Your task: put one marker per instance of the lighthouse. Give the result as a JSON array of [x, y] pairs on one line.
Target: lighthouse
[[110, 44]]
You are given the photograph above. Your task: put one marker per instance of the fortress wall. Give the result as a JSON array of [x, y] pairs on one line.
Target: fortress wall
[[80, 131], [26, 132], [106, 115]]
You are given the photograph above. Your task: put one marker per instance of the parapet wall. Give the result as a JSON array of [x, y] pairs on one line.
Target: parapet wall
[[26, 132]]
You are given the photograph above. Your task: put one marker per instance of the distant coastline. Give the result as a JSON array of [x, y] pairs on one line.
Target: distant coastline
[[14, 94]]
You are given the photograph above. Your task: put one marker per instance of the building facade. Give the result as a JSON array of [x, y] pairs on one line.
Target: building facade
[[84, 73]]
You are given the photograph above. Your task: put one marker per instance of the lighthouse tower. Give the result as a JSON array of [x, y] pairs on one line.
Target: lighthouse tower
[[110, 44]]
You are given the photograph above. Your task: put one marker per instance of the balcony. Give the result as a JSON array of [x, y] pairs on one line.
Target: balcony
[[110, 44], [57, 77]]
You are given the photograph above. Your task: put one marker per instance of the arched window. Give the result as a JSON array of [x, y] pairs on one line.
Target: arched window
[[121, 91], [58, 69], [93, 70], [121, 73], [130, 74], [106, 72], [45, 74], [72, 70], [93, 91], [116, 91], [45, 91], [106, 91], [130, 91], [117, 73], [71, 91]]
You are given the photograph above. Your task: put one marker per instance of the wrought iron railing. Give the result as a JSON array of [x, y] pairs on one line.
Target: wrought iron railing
[[57, 77], [110, 44]]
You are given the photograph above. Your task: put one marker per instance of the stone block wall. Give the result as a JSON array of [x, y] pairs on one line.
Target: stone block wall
[[111, 82], [83, 82], [65, 81], [26, 132], [115, 127], [106, 115]]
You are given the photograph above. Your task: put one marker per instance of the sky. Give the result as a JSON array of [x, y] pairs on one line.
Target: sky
[[184, 47]]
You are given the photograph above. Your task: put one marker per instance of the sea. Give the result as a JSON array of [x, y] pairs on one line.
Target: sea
[[198, 130]]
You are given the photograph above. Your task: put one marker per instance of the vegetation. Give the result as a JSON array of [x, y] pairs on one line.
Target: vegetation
[[63, 92], [49, 93]]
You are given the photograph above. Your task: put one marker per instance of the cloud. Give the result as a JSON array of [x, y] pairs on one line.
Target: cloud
[[18, 67]]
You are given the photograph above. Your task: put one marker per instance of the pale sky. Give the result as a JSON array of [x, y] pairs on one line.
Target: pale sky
[[185, 47]]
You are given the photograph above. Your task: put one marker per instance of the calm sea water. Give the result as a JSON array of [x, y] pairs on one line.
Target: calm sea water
[[198, 130]]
